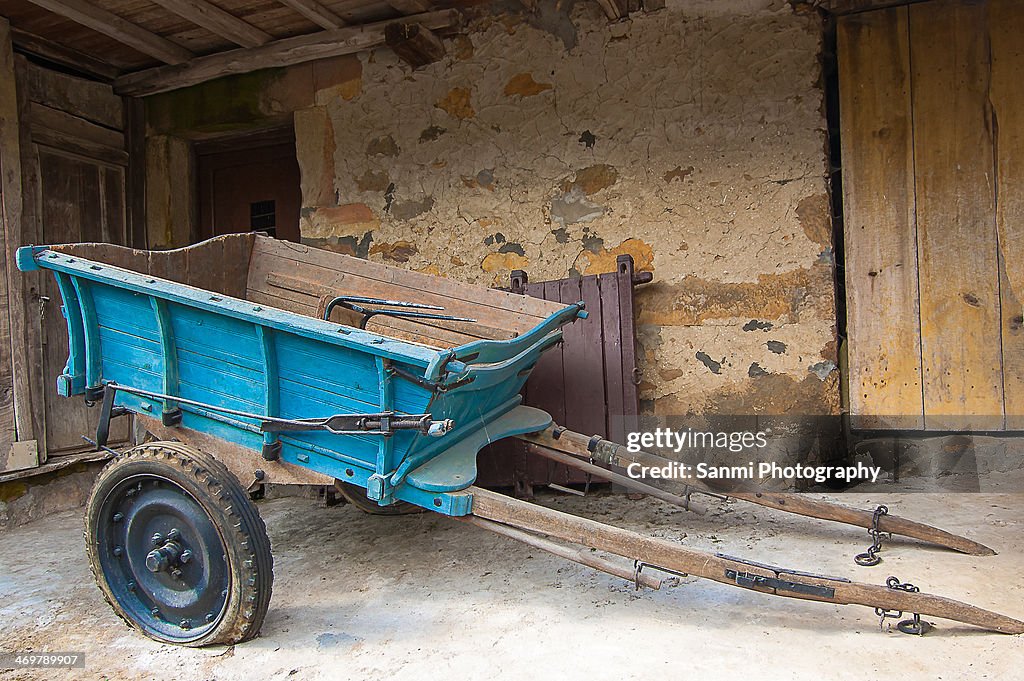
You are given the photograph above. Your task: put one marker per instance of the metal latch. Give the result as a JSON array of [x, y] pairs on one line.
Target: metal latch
[[750, 580]]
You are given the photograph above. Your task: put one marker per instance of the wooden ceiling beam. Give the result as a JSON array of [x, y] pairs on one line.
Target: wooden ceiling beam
[[121, 30], [32, 44], [217, 21], [284, 52], [315, 12], [410, 6]]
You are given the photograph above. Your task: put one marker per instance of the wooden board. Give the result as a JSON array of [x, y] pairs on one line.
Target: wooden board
[[10, 200], [1006, 26], [954, 186], [296, 278], [880, 224]]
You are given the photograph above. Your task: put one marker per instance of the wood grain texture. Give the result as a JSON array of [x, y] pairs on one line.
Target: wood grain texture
[[672, 555], [10, 200], [880, 223], [315, 12], [217, 21], [110, 24], [957, 247], [1006, 26]]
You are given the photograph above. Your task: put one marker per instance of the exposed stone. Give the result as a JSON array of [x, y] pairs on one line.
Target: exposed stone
[[512, 248], [588, 139], [592, 179], [463, 47], [755, 370], [399, 251], [432, 133], [523, 85], [606, 260], [407, 210], [383, 146], [712, 365], [822, 369], [778, 347], [755, 325], [373, 181], [495, 262], [573, 207], [457, 103]]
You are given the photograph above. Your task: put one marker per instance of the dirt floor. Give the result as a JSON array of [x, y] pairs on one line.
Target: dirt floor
[[369, 597]]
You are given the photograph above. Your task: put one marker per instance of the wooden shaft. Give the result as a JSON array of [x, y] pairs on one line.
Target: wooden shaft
[[534, 518], [617, 455], [574, 554], [612, 476]]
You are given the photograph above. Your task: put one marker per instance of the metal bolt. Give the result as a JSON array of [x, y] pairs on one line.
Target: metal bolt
[[185, 557], [176, 573], [157, 539], [118, 551], [173, 534], [186, 624], [118, 517], [210, 617], [131, 492], [130, 586], [155, 612]]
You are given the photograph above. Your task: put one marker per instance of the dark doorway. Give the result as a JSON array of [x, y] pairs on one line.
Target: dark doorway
[[249, 184]]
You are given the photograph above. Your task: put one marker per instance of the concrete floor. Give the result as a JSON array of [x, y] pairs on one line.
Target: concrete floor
[[424, 597]]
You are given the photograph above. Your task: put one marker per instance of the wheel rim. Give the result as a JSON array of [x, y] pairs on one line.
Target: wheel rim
[[163, 558]]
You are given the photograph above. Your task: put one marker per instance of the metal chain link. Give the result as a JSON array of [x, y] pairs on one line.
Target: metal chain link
[[915, 625], [870, 557]]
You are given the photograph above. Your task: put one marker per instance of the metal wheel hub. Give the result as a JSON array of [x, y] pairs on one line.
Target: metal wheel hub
[[163, 558]]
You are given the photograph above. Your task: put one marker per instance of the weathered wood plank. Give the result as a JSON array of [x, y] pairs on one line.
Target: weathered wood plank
[[880, 222], [278, 53], [65, 56], [1006, 26], [315, 12], [45, 118], [957, 249], [95, 102], [109, 24], [217, 21], [10, 200]]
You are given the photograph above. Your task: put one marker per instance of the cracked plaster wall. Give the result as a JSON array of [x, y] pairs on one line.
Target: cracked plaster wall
[[691, 137]]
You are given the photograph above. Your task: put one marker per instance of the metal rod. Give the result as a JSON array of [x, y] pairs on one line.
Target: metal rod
[[573, 554], [612, 476]]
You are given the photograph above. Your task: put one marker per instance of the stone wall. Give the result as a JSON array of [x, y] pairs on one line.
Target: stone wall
[[692, 137]]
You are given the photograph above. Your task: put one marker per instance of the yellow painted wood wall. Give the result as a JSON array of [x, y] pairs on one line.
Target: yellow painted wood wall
[[932, 130]]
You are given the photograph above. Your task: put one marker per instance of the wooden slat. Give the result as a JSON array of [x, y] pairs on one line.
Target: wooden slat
[[65, 132], [274, 54], [64, 55], [315, 12], [1006, 26], [410, 6], [81, 97], [344, 274], [10, 219], [612, 342], [957, 261], [109, 24], [880, 223], [217, 21]]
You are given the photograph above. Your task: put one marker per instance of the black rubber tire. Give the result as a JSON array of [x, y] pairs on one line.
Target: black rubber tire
[[201, 479], [356, 495]]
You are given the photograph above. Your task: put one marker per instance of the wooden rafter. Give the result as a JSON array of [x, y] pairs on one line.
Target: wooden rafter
[[278, 53], [119, 29], [410, 6], [65, 56], [315, 12], [216, 20]]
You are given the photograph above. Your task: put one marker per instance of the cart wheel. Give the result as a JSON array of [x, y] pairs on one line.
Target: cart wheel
[[356, 495], [177, 548]]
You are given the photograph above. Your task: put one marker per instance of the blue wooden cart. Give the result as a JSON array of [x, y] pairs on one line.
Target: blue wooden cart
[[252, 360]]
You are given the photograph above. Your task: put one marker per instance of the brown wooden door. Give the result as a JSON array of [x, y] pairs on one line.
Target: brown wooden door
[[250, 189], [932, 129]]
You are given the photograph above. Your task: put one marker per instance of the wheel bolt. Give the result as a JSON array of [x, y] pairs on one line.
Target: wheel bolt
[[185, 556], [118, 517], [176, 573], [118, 551], [155, 612], [130, 586], [186, 624], [210, 617], [173, 534], [157, 539]]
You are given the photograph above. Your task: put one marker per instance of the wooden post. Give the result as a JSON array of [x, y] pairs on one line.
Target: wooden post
[[21, 353], [415, 44]]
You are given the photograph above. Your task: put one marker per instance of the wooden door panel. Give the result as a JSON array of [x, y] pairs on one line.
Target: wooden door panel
[[878, 194], [79, 200], [954, 185]]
